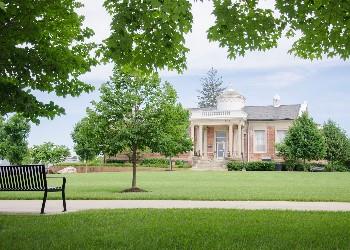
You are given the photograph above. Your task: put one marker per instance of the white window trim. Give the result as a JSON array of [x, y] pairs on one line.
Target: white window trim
[[254, 142], [279, 129]]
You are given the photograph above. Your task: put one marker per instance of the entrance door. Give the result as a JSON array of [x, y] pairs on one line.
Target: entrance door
[[220, 150], [220, 144]]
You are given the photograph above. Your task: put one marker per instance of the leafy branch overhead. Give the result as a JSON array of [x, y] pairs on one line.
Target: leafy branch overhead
[[319, 27], [43, 48], [149, 35]]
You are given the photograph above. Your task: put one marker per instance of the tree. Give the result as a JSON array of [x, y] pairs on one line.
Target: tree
[[43, 48], [84, 138], [13, 134], [174, 137], [337, 143], [211, 89], [149, 35], [134, 113], [49, 153], [304, 140]]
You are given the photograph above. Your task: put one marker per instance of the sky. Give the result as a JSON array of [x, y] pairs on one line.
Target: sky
[[324, 84]]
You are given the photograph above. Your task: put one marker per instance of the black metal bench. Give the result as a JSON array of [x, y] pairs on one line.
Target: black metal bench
[[29, 178]]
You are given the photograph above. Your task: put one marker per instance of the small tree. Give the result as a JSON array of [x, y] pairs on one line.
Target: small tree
[[174, 138], [13, 134], [337, 143], [131, 115], [85, 141], [211, 89], [304, 140], [49, 153]]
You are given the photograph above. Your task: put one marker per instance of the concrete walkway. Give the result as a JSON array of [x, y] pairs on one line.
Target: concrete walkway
[[55, 206]]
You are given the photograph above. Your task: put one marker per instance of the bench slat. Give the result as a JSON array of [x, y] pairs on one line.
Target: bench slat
[[23, 178]]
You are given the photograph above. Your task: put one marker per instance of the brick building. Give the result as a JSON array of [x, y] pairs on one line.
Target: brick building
[[233, 130]]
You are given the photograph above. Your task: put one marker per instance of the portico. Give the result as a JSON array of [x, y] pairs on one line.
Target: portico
[[217, 140], [217, 133]]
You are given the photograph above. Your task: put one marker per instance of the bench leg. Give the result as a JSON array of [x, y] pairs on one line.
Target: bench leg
[[44, 202], [64, 200]]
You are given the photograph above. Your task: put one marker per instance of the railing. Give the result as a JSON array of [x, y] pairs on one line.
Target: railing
[[203, 114]]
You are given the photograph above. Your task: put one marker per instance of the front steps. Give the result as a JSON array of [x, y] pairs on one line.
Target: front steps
[[205, 165]]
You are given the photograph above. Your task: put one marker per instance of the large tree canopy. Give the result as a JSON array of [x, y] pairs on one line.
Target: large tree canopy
[[137, 112], [149, 35], [43, 47]]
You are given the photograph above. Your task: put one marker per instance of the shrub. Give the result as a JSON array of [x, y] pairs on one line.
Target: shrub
[[115, 161], [155, 161], [234, 166], [252, 166]]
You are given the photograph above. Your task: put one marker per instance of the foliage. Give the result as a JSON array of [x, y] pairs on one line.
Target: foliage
[[303, 140], [49, 153], [149, 161], [136, 112], [211, 89], [251, 166], [337, 143], [318, 27], [148, 35], [43, 48], [84, 138], [13, 138]]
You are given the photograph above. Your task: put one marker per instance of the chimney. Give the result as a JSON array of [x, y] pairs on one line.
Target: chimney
[[276, 101]]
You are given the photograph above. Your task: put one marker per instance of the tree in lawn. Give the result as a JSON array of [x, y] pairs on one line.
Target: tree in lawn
[[13, 134], [211, 89], [49, 153], [131, 113], [43, 48], [305, 140], [85, 139], [149, 35], [173, 136], [337, 143]]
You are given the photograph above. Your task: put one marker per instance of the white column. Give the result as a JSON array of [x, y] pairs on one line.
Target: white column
[[192, 138], [200, 140], [230, 141], [239, 143], [205, 143]]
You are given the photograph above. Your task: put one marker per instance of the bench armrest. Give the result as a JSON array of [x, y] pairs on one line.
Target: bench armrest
[[57, 177]]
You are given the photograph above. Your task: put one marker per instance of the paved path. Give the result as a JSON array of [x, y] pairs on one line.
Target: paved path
[[55, 206]]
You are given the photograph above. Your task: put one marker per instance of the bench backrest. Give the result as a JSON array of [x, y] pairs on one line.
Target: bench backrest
[[23, 178]]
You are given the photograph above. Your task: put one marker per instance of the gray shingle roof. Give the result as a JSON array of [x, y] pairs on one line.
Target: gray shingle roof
[[283, 112]]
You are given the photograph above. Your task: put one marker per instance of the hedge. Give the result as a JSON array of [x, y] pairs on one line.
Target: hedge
[[251, 166], [286, 166]]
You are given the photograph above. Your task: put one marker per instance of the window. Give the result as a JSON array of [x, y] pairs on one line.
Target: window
[[260, 140], [280, 135]]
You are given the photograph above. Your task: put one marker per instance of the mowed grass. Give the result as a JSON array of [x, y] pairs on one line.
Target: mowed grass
[[191, 185], [177, 229]]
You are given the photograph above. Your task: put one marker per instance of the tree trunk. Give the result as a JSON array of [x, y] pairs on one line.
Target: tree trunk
[[304, 165], [134, 159], [171, 164], [104, 158]]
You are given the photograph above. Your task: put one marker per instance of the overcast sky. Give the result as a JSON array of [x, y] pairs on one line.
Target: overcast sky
[[258, 76]]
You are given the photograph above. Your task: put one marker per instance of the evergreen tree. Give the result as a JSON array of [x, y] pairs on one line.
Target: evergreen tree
[[211, 89]]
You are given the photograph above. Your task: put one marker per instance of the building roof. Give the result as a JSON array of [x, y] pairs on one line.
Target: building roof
[[267, 113]]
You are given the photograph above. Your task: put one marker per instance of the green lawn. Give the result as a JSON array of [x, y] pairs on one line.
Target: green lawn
[[190, 185], [177, 229]]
